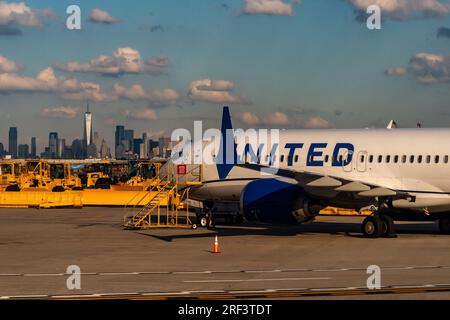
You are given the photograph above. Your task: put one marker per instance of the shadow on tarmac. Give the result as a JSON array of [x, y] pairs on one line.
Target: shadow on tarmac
[[311, 229]]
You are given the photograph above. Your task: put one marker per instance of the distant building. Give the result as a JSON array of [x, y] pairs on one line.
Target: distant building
[[33, 152], [105, 151], [144, 147], [12, 146], [87, 132], [24, 151], [129, 136], [61, 145], [2, 150], [165, 147], [137, 146], [77, 149], [118, 147], [52, 145]]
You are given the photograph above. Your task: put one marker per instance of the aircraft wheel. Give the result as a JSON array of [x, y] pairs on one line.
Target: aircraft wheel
[[211, 223], [194, 226], [203, 221], [444, 225], [387, 226], [372, 227]]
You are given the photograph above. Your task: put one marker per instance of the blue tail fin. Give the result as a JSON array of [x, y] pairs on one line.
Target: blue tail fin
[[226, 120], [224, 168]]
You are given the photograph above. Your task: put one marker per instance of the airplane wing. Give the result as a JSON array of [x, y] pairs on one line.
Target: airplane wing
[[321, 185]]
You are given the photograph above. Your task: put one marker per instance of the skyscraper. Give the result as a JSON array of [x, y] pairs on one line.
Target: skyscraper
[[53, 145], [23, 151], [119, 136], [60, 146], [12, 147], [129, 136], [87, 133], [33, 148]]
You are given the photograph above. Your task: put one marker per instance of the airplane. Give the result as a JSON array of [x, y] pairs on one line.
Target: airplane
[[401, 174]]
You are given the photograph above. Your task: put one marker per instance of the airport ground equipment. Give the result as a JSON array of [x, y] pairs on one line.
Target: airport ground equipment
[[169, 195]]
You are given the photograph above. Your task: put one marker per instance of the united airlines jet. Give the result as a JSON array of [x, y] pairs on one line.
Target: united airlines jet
[[398, 174]]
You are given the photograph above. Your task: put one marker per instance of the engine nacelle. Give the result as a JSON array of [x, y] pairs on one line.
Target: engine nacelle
[[277, 202]]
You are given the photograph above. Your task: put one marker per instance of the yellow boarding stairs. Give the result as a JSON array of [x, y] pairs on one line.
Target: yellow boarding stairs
[[166, 199]]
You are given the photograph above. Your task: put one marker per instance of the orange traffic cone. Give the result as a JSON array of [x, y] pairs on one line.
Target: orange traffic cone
[[216, 246]]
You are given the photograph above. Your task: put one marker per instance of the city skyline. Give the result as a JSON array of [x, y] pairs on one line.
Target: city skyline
[[161, 65]]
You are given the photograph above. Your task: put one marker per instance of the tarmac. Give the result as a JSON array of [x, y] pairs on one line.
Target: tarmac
[[326, 259]]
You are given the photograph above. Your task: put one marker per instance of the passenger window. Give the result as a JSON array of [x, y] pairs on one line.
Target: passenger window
[[327, 157], [404, 159], [282, 158], [446, 159], [388, 159], [411, 159], [296, 158], [362, 158], [380, 158], [436, 159], [341, 158], [428, 159], [371, 158], [395, 159], [419, 159]]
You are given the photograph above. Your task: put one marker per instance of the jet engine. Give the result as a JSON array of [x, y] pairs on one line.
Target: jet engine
[[277, 202]]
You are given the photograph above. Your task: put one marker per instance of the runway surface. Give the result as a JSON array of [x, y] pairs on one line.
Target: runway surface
[[325, 259]]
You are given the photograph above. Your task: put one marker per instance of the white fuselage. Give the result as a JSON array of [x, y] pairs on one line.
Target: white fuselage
[[415, 161]]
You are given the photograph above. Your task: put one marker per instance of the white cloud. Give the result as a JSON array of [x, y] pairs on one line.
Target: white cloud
[[405, 9], [215, 91], [141, 114], [275, 118], [89, 91], [122, 61], [19, 14], [249, 118], [47, 82], [428, 68], [61, 112], [100, 16], [154, 96], [316, 122], [396, 71], [268, 7], [8, 66]]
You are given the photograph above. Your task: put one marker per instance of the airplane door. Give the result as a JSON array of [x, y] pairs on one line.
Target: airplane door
[[361, 161]]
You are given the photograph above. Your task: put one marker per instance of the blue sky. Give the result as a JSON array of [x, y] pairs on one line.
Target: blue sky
[[315, 67]]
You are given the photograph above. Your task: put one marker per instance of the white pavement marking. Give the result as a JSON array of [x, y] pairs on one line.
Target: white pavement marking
[[117, 273], [42, 274], [261, 271], [217, 271], [76, 296], [165, 293], [26, 296], [191, 272], [252, 280], [118, 294]]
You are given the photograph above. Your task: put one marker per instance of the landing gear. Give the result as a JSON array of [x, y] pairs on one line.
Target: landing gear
[[378, 225], [388, 228], [203, 221], [444, 225], [371, 227]]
